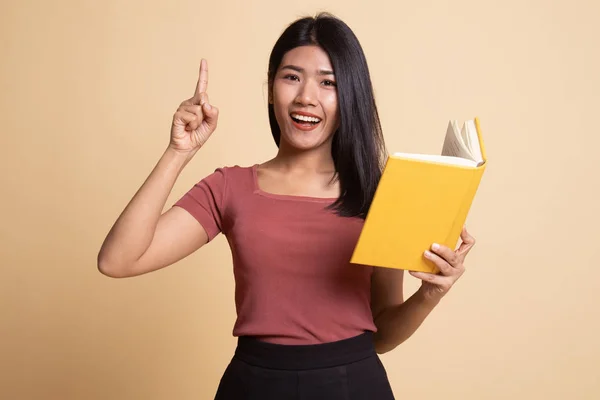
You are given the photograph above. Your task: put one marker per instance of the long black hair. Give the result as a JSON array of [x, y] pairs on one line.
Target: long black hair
[[358, 147]]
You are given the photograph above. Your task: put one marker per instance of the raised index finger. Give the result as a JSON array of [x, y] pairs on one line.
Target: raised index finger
[[203, 78]]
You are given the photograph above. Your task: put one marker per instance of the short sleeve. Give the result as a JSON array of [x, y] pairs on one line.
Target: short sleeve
[[205, 201]]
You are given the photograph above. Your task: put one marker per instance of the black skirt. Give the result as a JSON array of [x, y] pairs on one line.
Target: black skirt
[[348, 369]]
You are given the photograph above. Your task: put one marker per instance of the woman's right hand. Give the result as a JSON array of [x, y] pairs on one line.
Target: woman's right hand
[[195, 119]]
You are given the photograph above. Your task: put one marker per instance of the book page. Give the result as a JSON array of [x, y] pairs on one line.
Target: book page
[[449, 160], [465, 135], [453, 143], [473, 140]]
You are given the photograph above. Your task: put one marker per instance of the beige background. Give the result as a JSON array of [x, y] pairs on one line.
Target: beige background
[[88, 90]]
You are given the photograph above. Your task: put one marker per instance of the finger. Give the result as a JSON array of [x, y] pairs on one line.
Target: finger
[[202, 84], [187, 102], [444, 267], [203, 98], [466, 236], [184, 117], [199, 99], [192, 108], [446, 254], [197, 110], [211, 115], [192, 126], [467, 244]]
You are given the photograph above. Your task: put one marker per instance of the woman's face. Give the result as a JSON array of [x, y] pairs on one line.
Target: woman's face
[[305, 98]]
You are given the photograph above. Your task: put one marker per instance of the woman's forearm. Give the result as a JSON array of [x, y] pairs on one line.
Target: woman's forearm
[[132, 233], [398, 323]]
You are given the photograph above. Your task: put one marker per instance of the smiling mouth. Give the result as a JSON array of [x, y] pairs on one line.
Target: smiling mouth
[[305, 120]]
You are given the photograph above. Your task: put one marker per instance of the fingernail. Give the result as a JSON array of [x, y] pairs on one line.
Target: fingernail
[[427, 254], [435, 246], [208, 107]]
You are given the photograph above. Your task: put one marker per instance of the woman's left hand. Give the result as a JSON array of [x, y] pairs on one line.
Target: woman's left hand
[[451, 266]]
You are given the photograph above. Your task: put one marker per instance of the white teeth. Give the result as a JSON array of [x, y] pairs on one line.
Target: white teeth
[[305, 118]]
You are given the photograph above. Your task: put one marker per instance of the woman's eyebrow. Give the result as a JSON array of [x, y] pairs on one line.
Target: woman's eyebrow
[[301, 70]]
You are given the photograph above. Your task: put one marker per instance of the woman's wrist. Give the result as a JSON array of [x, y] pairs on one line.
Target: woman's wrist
[[178, 157], [427, 298]]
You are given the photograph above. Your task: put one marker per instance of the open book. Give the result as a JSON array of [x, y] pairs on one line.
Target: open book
[[422, 199], [461, 147]]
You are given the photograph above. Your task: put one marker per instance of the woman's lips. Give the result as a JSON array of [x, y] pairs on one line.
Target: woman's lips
[[305, 125]]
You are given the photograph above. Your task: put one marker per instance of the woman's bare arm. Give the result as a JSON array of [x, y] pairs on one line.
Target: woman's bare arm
[[144, 239]]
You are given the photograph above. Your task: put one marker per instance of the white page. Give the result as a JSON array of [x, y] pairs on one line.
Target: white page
[[461, 147], [453, 143], [471, 133], [466, 137], [443, 159]]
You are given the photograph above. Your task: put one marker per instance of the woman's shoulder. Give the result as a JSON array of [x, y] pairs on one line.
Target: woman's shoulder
[[233, 177], [237, 172], [238, 168]]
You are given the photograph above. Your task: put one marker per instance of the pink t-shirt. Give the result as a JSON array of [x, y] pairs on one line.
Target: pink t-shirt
[[294, 281]]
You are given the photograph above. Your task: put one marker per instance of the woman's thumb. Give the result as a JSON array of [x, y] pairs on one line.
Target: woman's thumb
[[210, 113]]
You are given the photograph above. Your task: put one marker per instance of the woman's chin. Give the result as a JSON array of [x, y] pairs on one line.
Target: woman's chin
[[305, 140], [304, 144]]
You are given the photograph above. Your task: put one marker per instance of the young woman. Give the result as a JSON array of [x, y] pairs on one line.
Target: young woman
[[309, 323]]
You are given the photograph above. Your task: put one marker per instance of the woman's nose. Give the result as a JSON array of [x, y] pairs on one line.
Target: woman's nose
[[307, 95]]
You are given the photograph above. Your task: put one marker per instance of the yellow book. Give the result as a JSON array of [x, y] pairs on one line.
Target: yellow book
[[422, 199]]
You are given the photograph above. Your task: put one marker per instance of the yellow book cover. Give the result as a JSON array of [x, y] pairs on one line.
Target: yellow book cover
[[422, 199]]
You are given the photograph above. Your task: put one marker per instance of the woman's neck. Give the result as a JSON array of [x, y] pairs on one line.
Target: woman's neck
[[304, 161]]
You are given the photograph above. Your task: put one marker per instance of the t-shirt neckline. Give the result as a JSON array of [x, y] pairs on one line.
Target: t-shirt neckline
[[291, 197]]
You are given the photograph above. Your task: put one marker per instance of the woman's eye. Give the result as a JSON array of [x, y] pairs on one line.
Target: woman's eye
[[291, 77], [329, 83]]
